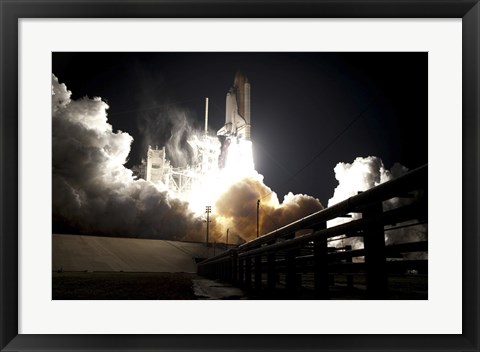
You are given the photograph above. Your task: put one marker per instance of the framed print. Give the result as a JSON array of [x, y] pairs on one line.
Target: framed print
[[115, 164]]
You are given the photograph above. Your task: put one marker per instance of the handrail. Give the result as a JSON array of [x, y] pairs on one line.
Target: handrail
[[385, 218], [383, 191], [259, 262]]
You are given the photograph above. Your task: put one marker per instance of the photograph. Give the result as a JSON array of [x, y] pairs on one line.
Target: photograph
[[239, 175]]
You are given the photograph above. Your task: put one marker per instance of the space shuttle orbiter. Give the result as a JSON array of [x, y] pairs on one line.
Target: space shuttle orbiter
[[237, 112]]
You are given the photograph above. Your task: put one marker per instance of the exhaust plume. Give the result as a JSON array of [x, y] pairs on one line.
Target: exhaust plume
[[95, 194]]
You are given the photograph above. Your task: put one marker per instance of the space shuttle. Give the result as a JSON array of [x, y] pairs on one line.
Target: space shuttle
[[237, 112]]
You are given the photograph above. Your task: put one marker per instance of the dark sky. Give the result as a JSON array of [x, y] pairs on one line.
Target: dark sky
[[314, 109]]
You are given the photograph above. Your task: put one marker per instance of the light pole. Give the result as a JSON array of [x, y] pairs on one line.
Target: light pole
[[258, 207], [226, 242], [208, 210]]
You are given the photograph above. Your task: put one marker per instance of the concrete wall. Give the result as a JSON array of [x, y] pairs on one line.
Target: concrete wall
[[80, 253]]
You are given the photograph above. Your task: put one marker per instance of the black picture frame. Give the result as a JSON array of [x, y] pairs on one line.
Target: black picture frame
[[12, 10]]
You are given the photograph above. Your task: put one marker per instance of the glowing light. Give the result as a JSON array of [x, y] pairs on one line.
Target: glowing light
[[210, 181], [239, 161]]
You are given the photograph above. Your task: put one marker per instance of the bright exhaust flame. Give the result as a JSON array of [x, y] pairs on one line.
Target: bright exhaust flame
[[212, 183], [240, 158]]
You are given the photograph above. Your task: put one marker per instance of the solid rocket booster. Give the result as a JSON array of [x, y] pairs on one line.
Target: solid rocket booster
[[237, 112]]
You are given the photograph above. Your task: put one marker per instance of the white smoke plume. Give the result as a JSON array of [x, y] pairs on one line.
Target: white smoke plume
[[95, 194], [361, 175]]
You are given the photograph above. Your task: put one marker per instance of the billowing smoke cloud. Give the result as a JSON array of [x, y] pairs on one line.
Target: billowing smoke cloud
[[361, 175], [94, 193], [238, 207]]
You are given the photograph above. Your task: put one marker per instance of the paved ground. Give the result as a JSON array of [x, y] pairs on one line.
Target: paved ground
[[211, 289], [91, 253], [122, 286], [91, 267]]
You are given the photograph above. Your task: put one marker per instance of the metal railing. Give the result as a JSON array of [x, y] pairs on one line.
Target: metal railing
[[282, 260]]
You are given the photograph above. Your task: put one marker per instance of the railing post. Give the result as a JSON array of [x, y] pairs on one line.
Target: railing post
[[234, 265], [320, 264], [375, 258], [320, 258], [240, 271], [223, 270], [248, 272], [226, 270], [258, 272], [271, 273], [291, 274], [291, 268], [348, 259]]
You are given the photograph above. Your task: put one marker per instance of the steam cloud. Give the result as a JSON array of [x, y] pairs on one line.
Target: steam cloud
[[361, 175], [168, 126], [95, 194]]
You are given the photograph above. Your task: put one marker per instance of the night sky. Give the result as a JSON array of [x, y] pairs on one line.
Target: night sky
[[309, 111]]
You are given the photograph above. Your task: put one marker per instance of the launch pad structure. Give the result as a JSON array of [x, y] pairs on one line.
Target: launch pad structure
[[209, 153], [180, 180]]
